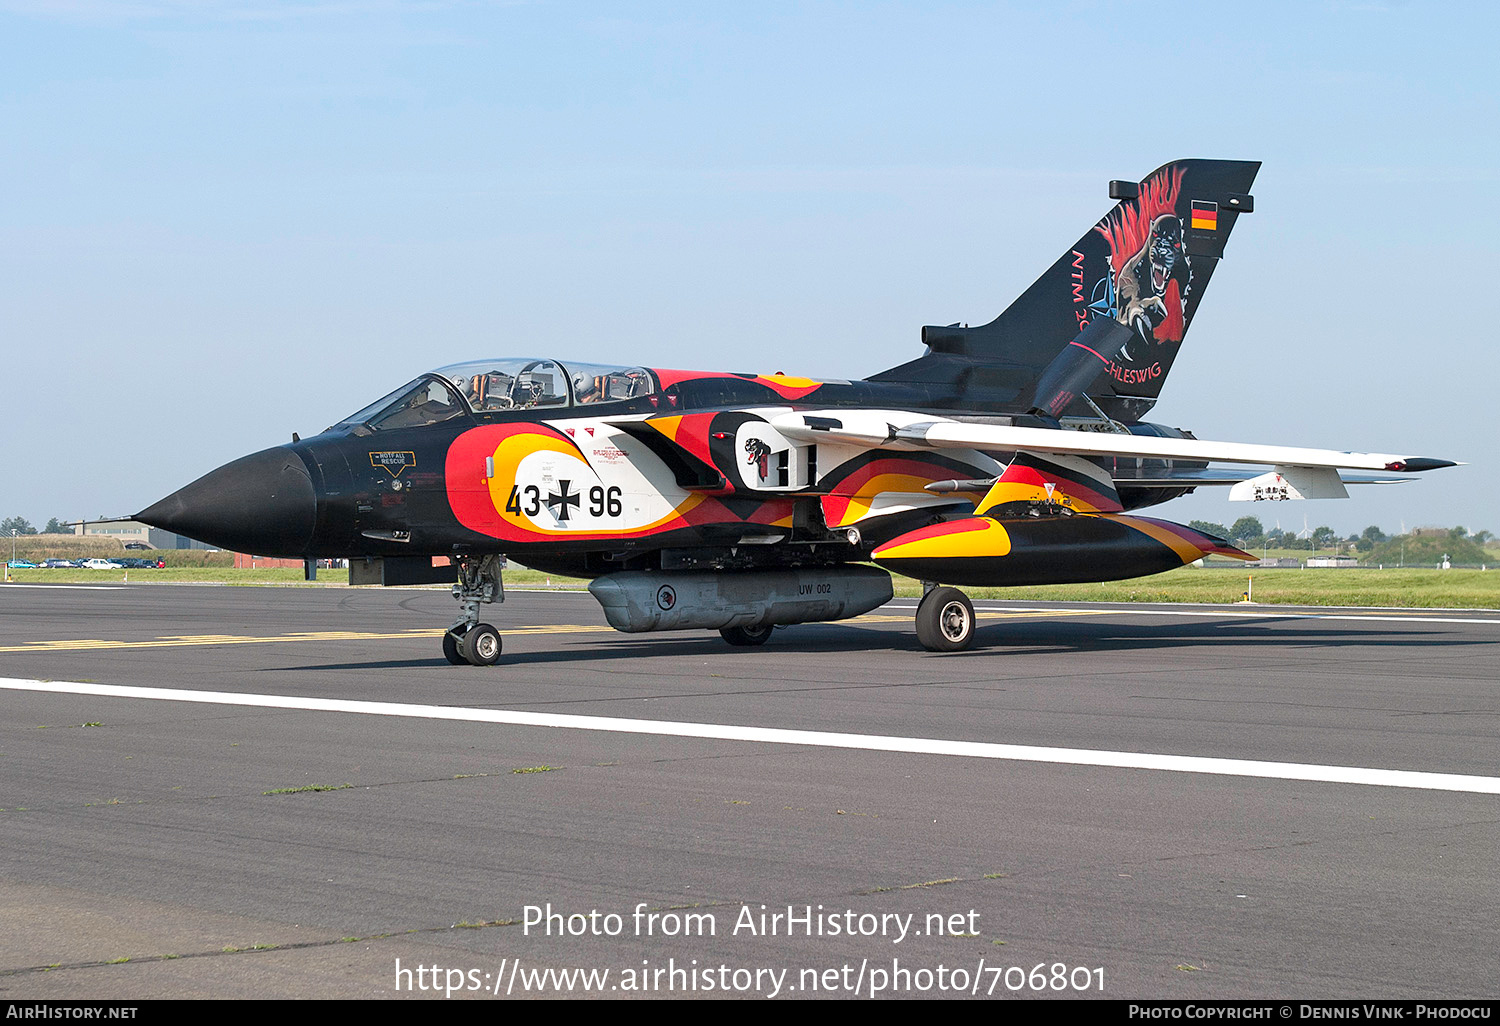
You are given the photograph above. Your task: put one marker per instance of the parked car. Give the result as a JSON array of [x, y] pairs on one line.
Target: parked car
[[101, 564], [21, 564], [53, 564]]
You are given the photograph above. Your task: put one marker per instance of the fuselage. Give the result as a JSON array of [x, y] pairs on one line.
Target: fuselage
[[586, 470]]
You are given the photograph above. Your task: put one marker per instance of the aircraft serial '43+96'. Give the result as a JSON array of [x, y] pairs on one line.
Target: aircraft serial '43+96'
[[1007, 454]]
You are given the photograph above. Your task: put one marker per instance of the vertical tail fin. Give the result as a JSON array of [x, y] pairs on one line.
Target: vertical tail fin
[[1145, 266]]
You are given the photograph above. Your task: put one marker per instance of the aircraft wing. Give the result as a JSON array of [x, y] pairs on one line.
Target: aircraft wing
[[892, 429], [1296, 472], [1178, 477]]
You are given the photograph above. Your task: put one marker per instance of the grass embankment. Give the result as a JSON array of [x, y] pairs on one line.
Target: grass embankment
[[1409, 587], [37, 547], [287, 576]]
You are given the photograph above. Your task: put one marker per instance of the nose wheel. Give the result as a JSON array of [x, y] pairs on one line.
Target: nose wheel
[[481, 646], [945, 620], [468, 640]]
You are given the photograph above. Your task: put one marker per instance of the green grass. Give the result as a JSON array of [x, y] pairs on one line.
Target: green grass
[[522, 578], [1409, 587], [261, 576]]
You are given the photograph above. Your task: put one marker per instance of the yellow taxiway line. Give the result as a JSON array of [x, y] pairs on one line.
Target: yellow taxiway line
[[190, 640], [198, 640]]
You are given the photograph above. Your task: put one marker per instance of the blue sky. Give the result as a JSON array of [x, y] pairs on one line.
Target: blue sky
[[227, 221]]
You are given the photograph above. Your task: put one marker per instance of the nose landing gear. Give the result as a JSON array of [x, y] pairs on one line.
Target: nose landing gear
[[468, 640]]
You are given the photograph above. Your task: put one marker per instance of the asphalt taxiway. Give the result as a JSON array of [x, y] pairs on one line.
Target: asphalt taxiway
[[216, 791]]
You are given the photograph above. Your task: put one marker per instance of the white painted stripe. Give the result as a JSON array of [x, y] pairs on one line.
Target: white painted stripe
[[813, 738]]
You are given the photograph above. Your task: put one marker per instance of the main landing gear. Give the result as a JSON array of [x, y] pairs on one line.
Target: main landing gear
[[746, 637], [945, 619], [468, 640]]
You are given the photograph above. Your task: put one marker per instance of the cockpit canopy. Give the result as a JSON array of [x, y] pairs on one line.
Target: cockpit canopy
[[491, 385], [497, 386]]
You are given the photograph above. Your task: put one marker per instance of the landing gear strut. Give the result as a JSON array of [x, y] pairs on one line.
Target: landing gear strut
[[945, 620], [468, 640]]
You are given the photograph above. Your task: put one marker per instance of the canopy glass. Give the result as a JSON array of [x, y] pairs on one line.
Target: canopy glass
[[495, 386]]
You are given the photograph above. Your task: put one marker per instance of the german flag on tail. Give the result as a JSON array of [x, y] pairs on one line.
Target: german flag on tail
[[1205, 215]]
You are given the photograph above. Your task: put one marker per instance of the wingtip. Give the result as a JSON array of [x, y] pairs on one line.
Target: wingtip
[[1417, 464]]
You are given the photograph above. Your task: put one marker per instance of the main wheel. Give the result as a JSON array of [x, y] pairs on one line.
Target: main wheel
[[451, 641], [481, 646], [945, 620], [745, 637]]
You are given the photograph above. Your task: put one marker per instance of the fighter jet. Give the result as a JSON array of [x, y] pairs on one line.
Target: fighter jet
[[1010, 453]]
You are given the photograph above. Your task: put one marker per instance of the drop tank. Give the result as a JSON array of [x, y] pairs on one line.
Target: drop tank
[[635, 601]]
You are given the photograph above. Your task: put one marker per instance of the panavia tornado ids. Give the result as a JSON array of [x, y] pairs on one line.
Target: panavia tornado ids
[[1006, 454]]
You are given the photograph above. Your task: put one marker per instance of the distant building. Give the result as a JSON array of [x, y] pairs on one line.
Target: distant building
[[1316, 561], [1272, 564], [246, 561], [131, 532]]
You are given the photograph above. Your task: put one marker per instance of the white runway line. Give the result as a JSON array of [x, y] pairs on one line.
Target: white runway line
[[813, 738]]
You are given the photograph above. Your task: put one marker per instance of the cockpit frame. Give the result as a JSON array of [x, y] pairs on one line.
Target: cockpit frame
[[483, 388]]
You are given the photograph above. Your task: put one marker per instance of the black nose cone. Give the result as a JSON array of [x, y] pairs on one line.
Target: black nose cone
[[262, 504]]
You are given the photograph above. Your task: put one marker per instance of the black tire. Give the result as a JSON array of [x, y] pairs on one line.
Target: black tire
[[945, 620], [481, 646], [746, 637], [451, 641]]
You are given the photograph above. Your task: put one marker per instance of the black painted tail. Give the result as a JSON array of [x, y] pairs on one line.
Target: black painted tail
[[1107, 318]]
